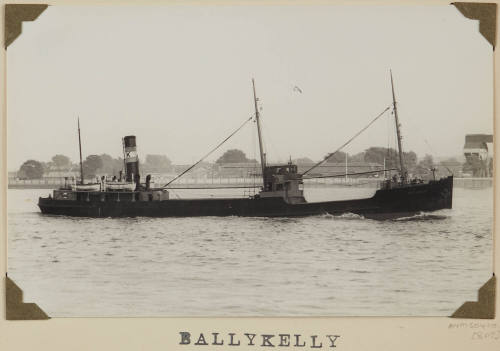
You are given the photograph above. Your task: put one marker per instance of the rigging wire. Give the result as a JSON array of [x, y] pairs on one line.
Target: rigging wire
[[210, 152], [431, 149], [344, 174], [392, 145], [347, 142], [389, 139], [253, 173]]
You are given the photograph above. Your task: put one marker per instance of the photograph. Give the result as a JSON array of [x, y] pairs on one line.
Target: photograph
[[249, 160]]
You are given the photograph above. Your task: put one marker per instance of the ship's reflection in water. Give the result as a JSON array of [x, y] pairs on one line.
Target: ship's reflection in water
[[326, 265]]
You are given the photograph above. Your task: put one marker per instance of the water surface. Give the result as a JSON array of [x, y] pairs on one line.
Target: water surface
[[426, 265]]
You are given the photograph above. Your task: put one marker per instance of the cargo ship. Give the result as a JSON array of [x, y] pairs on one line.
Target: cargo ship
[[281, 192]]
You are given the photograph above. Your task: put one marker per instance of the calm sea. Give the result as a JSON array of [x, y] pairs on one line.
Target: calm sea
[[426, 265]]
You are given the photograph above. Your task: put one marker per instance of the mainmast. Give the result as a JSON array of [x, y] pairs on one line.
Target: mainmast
[[398, 132], [80, 147], [257, 118]]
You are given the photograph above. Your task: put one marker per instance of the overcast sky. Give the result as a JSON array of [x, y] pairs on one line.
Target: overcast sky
[[179, 78]]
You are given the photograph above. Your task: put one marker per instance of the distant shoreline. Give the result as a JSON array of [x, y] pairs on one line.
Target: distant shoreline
[[338, 182]]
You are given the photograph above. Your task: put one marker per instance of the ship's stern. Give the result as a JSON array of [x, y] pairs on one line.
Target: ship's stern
[[447, 192]]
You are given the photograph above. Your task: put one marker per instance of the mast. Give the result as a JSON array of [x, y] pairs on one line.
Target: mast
[[398, 132], [124, 161], [80, 147], [261, 150]]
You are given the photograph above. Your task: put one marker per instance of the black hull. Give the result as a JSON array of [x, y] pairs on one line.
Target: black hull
[[386, 203]]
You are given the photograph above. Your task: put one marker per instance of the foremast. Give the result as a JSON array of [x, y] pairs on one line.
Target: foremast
[[398, 134], [261, 149], [80, 147]]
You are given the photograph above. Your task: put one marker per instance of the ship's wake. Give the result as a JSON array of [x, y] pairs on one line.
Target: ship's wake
[[422, 216], [348, 215]]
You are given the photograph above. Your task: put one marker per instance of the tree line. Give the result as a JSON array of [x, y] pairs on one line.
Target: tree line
[[93, 165], [390, 158], [105, 164]]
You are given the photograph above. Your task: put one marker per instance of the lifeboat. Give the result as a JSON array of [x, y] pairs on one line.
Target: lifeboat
[[120, 186], [86, 187]]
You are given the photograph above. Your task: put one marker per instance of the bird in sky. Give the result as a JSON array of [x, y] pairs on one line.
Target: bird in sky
[[297, 89]]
